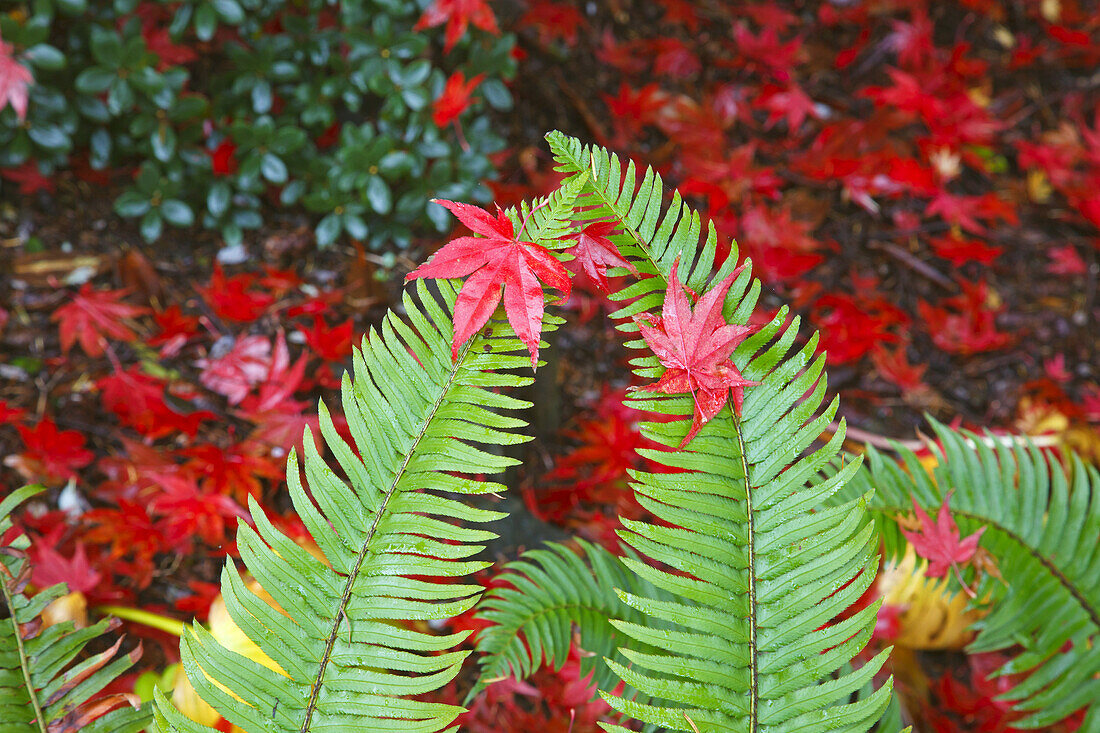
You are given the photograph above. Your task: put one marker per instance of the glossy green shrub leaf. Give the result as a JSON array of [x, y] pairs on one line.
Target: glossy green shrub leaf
[[45, 57], [177, 213]]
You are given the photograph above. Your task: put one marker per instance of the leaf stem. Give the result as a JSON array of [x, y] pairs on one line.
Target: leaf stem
[[173, 626], [750, 552]]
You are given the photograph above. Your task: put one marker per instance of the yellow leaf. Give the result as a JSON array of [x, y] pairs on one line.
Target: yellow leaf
[[933, 618]]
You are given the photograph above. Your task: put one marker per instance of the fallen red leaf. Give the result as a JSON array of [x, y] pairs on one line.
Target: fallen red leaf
[[51, 568], [234, 298], [15, 79], [235, 372], [458, 15], [454, 99], [51, 454], [330, 343], [176, 329], [138, 400], [964, 324], [92, 317]]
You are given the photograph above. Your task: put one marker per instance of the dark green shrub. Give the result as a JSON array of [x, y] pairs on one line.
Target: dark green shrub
[[222, 108]]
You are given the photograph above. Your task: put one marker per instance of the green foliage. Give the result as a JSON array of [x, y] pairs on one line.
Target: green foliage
[[1043, 527], [757, 567], [722, 618], [224, 106], [395, 540], [42, 686], [549, 592]]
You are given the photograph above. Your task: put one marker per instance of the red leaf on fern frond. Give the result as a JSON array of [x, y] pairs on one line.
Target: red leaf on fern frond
[[695, 348], [939, 542], [594, 253], [497, 261]]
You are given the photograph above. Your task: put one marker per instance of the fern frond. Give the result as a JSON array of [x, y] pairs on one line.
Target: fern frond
[[42, 687], [1043, 523], [423, 425], [550, 593], [757, 565], [653, 237]]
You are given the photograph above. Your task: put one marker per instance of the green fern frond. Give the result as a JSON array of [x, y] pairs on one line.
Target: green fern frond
[[423, 425], [1043, 523], [653, 237], [757, 565], [41, 689], [550, 593]]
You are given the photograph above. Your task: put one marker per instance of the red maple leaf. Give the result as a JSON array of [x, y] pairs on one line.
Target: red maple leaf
[[672, 57], [188, 513], [222, 160], [458, 15], [851, 327], [176, 329], [234, 298], [278, 416], [455, 98], [594, 253], [331, 344], [51, 568], [51, 453], [235, 471], [912, 41], [896, 369], [681, 12], [280, 282], [235, 372], [92, 317], [782, 247], [14, 80], [695, 348], [500, 261], [9, 414], [764, 49], [29, 178], [1065, 260], [790, 104], [965, 324], [128, 531], [939, 542], [159, 41], [553, 20], [138, 400], [958, 250], [623, 56]]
